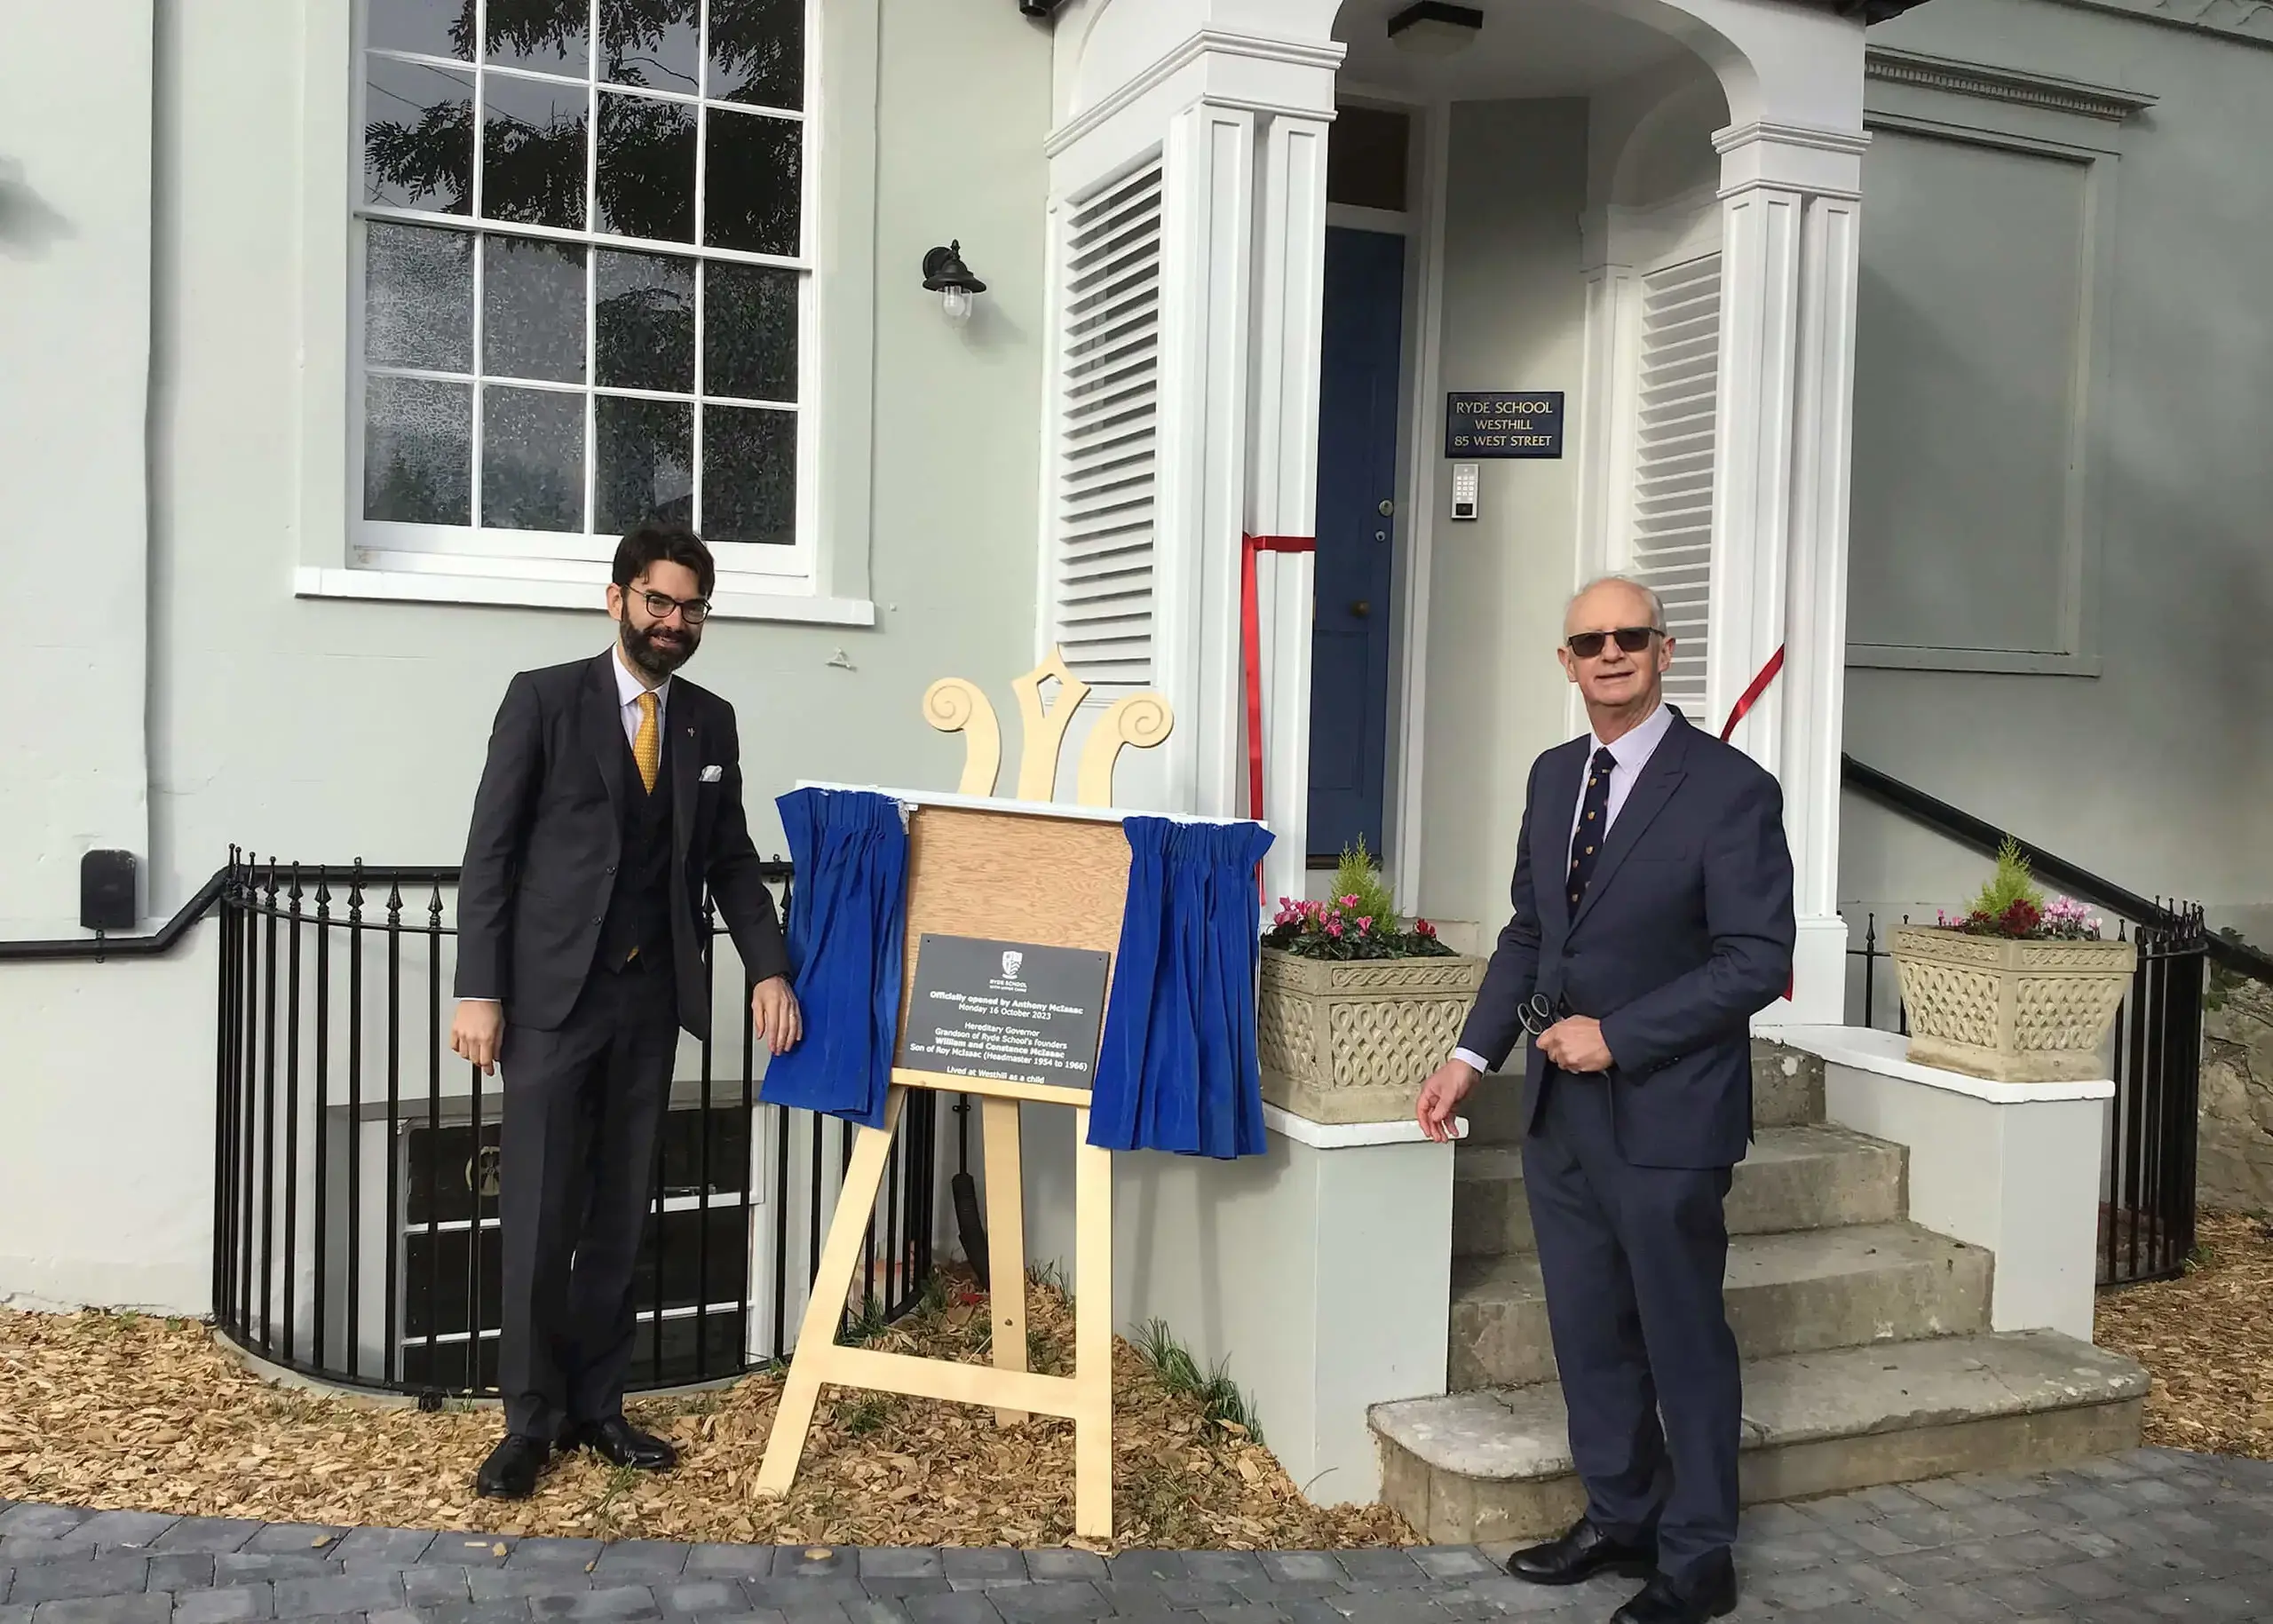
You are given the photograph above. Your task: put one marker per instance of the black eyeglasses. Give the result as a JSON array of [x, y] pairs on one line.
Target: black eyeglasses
[[695, 610], [1632, 639]]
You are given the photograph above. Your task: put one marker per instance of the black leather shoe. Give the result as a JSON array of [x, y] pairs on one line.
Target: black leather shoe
[[1710, 1593], [512, 1471], [618, 1442], [1581, 1554]]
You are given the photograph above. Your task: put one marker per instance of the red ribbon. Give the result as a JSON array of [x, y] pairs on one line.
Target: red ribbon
[[1251, 655], [1251, 650], [1751, 697]]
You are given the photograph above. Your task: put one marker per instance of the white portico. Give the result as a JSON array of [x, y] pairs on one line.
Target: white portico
[[1690, 290]]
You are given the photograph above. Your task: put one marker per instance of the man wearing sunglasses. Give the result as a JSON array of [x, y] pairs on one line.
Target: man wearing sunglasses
[[1653, 920], [610, 802]]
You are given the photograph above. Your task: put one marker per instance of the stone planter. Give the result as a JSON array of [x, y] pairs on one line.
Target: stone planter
[[2012, 1011], [1352, 1040]]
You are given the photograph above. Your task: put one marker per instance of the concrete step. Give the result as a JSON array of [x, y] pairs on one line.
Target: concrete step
[[1787, 1089], [1811, 1177], [1496, 1465], [1792, 1293]]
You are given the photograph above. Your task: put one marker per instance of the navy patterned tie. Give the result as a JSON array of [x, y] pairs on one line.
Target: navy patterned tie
[[1593, 823]]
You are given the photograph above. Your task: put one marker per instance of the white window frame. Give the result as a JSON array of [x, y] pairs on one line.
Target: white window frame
[[823, 576]]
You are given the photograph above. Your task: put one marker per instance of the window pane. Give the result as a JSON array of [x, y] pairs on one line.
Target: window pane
[[757, 51], [645, 311], [750, 475], [532, 459], [749, 332], [1365, 158], [417, 136], [551, 36], [431, 27], [418, 297], [531, 309], [418, 451], [533, 151], [647, 462], [647, 167], [655, 43], [750, 189]]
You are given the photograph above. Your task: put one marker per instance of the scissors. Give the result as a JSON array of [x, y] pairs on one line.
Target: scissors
[[1539, 1014]]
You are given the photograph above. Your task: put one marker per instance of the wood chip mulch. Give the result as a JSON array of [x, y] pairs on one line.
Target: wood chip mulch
[[2206, 1338], [105, 1410]]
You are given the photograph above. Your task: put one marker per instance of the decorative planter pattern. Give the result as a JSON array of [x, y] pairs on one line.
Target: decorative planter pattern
[[2013, 1011], [1352, 1040]]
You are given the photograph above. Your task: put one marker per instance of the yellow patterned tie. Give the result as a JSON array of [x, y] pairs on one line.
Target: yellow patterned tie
[[647, 744]]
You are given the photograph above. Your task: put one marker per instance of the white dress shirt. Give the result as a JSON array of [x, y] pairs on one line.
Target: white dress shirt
[[1632, 750], [628, 690]]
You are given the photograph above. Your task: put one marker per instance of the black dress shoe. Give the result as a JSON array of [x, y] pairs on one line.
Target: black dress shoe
[[1581, 1554], [618, 1442], [511, 1472], [1710, 1593]]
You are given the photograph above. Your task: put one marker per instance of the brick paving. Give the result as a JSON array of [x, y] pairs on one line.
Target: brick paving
[[2151, 1535]]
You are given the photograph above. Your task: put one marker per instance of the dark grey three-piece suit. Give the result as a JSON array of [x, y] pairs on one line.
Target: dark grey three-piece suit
[[1684, 930], [579, 910]]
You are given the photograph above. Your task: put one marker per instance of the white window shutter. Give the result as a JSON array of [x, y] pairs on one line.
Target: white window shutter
[[1673, 461], [1109, 342]]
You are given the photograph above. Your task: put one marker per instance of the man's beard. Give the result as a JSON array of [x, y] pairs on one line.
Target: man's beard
[[655, 658]]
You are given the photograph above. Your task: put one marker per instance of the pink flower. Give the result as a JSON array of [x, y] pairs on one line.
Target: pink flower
[[1365, 923], [1333, 927], [1346, 901], [1422, 927]]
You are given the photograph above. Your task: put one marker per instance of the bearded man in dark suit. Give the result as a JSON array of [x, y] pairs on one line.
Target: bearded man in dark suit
[[611, 801]]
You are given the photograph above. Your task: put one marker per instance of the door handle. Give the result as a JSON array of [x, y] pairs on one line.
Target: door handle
[[1361, 608]]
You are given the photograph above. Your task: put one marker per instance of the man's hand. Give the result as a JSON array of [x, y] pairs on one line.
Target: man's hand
[[478, 1031], [1575, 1044], [774, 1008], [1440, 1096]]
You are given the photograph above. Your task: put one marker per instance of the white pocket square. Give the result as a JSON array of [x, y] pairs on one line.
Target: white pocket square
[[711, 775]]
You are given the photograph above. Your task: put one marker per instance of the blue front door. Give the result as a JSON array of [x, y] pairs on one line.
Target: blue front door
[[1357, 528]]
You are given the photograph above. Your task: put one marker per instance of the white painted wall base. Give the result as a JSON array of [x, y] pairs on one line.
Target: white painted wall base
[[2011, 1166], [1320, 1272]]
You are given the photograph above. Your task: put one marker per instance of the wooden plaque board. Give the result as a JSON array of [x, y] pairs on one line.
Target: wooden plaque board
[[1055, 877]]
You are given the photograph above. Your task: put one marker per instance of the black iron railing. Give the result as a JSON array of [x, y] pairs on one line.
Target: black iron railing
[[2147, 1204], [356, 1226]]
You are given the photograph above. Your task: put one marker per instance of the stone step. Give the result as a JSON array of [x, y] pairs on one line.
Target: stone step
[[1792, 1292], [1811, 1176], [1495, 1464], [1787, 1089]]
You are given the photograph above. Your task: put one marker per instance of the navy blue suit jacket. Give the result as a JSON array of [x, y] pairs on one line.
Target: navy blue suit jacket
[[1684, 934]]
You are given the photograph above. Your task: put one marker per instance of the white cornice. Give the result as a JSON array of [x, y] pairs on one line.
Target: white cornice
[[1811, 136], [2010, 84], [1206, 42]]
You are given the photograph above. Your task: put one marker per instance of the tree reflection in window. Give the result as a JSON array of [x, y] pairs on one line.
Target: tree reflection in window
[[624, 339]]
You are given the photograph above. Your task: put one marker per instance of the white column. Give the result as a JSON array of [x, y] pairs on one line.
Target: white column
[[1207, 268], [1789, 218], [1290, 282]]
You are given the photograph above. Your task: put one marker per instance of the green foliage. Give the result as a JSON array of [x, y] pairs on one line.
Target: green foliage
[[2011, 882], [1358, 875], [1173, 1365]]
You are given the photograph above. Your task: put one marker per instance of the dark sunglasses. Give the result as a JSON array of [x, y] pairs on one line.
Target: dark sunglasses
[[1632, 639]]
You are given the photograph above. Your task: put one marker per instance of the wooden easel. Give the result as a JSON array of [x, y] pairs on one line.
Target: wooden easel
[[1021, 870]]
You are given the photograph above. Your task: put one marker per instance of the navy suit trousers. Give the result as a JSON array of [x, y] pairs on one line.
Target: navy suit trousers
[[1634, 1259]]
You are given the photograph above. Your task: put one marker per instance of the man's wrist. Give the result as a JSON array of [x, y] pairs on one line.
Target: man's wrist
[[1472, 1060]]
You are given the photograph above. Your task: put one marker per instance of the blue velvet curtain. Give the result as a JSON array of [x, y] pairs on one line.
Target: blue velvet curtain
[[1178, 1070], [847, 933]]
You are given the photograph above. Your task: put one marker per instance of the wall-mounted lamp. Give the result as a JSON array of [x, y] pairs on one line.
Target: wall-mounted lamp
[[1432, 27], [946, 274]]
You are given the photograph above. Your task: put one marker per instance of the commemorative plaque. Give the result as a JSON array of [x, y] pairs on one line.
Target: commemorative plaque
[[1014, 1011]]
